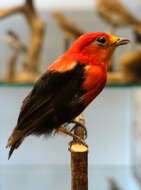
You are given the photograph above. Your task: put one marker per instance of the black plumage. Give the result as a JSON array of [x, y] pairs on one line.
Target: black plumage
[[56, 99]]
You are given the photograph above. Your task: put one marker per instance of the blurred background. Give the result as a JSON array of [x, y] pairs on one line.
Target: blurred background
[[112, 120]]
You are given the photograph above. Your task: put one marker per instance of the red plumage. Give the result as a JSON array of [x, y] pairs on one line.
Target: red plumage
[[66, 88]]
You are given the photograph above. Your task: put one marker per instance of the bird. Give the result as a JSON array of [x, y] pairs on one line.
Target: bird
[[117, 15], [69, 28], [66, 88]]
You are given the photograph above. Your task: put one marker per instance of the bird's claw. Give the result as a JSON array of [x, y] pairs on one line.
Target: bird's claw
[[79, 124], [76, 138]]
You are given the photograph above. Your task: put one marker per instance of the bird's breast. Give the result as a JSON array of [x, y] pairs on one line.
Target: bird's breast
[[95, 80]]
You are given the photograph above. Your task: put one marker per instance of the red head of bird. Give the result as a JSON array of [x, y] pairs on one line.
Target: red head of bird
[[91, 48], [95, 48]]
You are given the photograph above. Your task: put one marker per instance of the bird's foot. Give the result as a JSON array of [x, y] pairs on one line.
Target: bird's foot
[[76, 138], [79, 124]]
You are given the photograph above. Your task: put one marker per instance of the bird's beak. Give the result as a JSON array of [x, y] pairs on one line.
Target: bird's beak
[[121, 41]]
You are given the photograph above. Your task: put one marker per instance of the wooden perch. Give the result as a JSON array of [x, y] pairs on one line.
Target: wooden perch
[[79, 159], [37, 31]]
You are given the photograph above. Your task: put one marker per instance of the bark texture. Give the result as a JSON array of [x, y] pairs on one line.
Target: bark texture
[[79, 159]]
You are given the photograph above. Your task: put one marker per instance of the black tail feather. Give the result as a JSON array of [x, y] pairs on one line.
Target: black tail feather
[[13, 147], [11, 151]]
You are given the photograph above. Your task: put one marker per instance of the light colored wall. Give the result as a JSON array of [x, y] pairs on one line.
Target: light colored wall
[[73, 4], [108, 123], [54, 4]]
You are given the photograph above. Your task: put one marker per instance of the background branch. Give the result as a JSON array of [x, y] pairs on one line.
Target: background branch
[[70, 30], [37, 32], [11, 11], [17, 47], [30, 3]]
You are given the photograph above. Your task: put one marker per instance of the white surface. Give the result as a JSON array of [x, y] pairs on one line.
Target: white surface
[[71, 4], [54, 4], [107, 120]]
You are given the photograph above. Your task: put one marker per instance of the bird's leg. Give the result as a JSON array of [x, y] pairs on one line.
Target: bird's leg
[[63, 130], [79, 122]]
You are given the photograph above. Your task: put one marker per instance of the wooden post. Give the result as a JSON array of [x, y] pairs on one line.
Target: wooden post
[[79, 160]]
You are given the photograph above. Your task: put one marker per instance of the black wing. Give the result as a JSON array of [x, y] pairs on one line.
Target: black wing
[[55, 99], [55, 94]]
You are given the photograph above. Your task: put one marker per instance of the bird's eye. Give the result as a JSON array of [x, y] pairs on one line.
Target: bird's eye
[[101, 40]]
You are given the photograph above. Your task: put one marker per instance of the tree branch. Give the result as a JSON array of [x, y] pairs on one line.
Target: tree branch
[[29, 3], [11, 11], [37, 32], [17, 46]]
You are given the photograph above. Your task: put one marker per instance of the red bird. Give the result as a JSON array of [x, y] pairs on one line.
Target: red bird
[[66, 88]]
